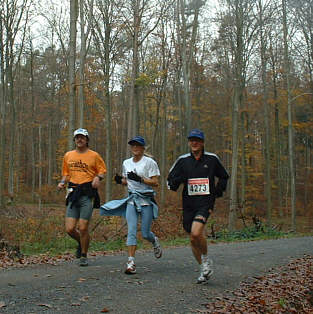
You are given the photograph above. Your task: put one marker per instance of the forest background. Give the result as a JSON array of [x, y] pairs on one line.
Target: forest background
[[240, 70]]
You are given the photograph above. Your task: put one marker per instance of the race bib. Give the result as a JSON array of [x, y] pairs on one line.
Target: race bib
[[198, 186]]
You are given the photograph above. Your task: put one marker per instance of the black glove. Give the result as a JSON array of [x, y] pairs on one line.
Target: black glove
[[174, 183], [134, 176], [118, 179]]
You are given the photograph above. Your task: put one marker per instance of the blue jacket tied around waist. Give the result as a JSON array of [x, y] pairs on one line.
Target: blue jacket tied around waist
[[118, 207]]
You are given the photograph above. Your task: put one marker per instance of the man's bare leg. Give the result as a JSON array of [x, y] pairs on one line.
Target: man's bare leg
[[70, 228], [83, 225], [198, 241]]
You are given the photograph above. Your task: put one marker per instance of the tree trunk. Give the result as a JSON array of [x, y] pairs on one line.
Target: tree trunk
[[108, 113], [2, 114], [12, 126], [133, 99], [290, 127], [268, 182], [163, 153], [82, 60], [33, 128], [243, 162], [233, 178], [72, 58], [237, 102], [39, 166]]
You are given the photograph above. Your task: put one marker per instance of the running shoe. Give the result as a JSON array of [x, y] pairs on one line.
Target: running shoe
[[130, 268], [157, 248], [78, 253], [207, 267], [83, 261], [202, 278]]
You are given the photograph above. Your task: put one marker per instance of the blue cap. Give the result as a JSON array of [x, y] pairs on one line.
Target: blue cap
[[196, 133], [137, 139]]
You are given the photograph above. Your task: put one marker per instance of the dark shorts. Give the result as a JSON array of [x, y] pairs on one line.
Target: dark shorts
[[190, 213], [82, 208]]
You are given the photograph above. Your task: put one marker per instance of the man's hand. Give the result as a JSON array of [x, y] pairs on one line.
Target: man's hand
[[95, 182], [133, 176], [118, 179], [61, 185], [174, 183]]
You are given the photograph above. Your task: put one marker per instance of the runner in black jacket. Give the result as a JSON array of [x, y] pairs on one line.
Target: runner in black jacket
[[197, 171]]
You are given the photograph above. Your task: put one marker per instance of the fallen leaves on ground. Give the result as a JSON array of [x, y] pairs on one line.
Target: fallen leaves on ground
[[7, 261], [286, 289], [10, 256]]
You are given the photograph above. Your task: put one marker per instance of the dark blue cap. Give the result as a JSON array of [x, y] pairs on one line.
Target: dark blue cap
[[137, 139], [196, 133]]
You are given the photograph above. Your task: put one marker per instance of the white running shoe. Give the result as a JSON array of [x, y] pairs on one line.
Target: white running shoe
[[201, 278], [207, 267], [130, 268], [157, 248]]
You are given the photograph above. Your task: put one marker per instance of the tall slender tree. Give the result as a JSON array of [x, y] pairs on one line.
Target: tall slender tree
[[289, 110], [72, 71]]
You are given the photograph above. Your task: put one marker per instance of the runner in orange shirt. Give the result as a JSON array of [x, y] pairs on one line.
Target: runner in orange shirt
[[83, 169]]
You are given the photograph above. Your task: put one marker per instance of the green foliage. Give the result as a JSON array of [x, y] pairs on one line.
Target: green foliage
[[55, 247], [282, 302], [249, 233], [115, 245], [67, 244], [177, 242]]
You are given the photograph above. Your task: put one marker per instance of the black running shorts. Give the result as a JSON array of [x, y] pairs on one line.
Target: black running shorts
[[190, 213]]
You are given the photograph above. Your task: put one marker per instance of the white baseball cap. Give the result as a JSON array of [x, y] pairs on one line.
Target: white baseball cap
[[81, 131]]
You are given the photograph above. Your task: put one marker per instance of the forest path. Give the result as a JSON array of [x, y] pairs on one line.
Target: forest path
[[166, 285]]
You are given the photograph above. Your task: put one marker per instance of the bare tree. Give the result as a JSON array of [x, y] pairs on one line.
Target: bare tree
[[141, 17], [239, 27], [72, 58], [2, 107], [263, 31], [188, 50], [108, 35], [290, 126], [15, 17]]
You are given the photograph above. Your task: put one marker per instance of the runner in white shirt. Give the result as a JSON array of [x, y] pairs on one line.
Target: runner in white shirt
[[140, 174]]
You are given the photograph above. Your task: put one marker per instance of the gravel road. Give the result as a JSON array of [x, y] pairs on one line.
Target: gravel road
[[160, 286]]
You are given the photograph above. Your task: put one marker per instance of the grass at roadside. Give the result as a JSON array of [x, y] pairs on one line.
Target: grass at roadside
[[67, 245]]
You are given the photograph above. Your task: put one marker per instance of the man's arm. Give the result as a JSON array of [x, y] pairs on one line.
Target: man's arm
[[101, 169], [223, 177], [176, 176], [65, 174], [61, 184]]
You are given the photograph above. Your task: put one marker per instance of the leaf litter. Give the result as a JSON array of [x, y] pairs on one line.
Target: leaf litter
[[285, 289]]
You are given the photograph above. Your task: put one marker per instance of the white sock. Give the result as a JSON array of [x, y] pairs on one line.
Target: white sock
[[154, 242], [131, 258], [204, 257]]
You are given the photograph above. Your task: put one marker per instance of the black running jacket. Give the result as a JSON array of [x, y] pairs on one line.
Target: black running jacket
[[202, 190]]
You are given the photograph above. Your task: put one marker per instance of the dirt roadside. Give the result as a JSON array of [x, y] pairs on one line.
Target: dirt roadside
[[160, 286]]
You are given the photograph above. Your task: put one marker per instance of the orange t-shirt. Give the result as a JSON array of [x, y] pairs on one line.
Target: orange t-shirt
[[82, 167]]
